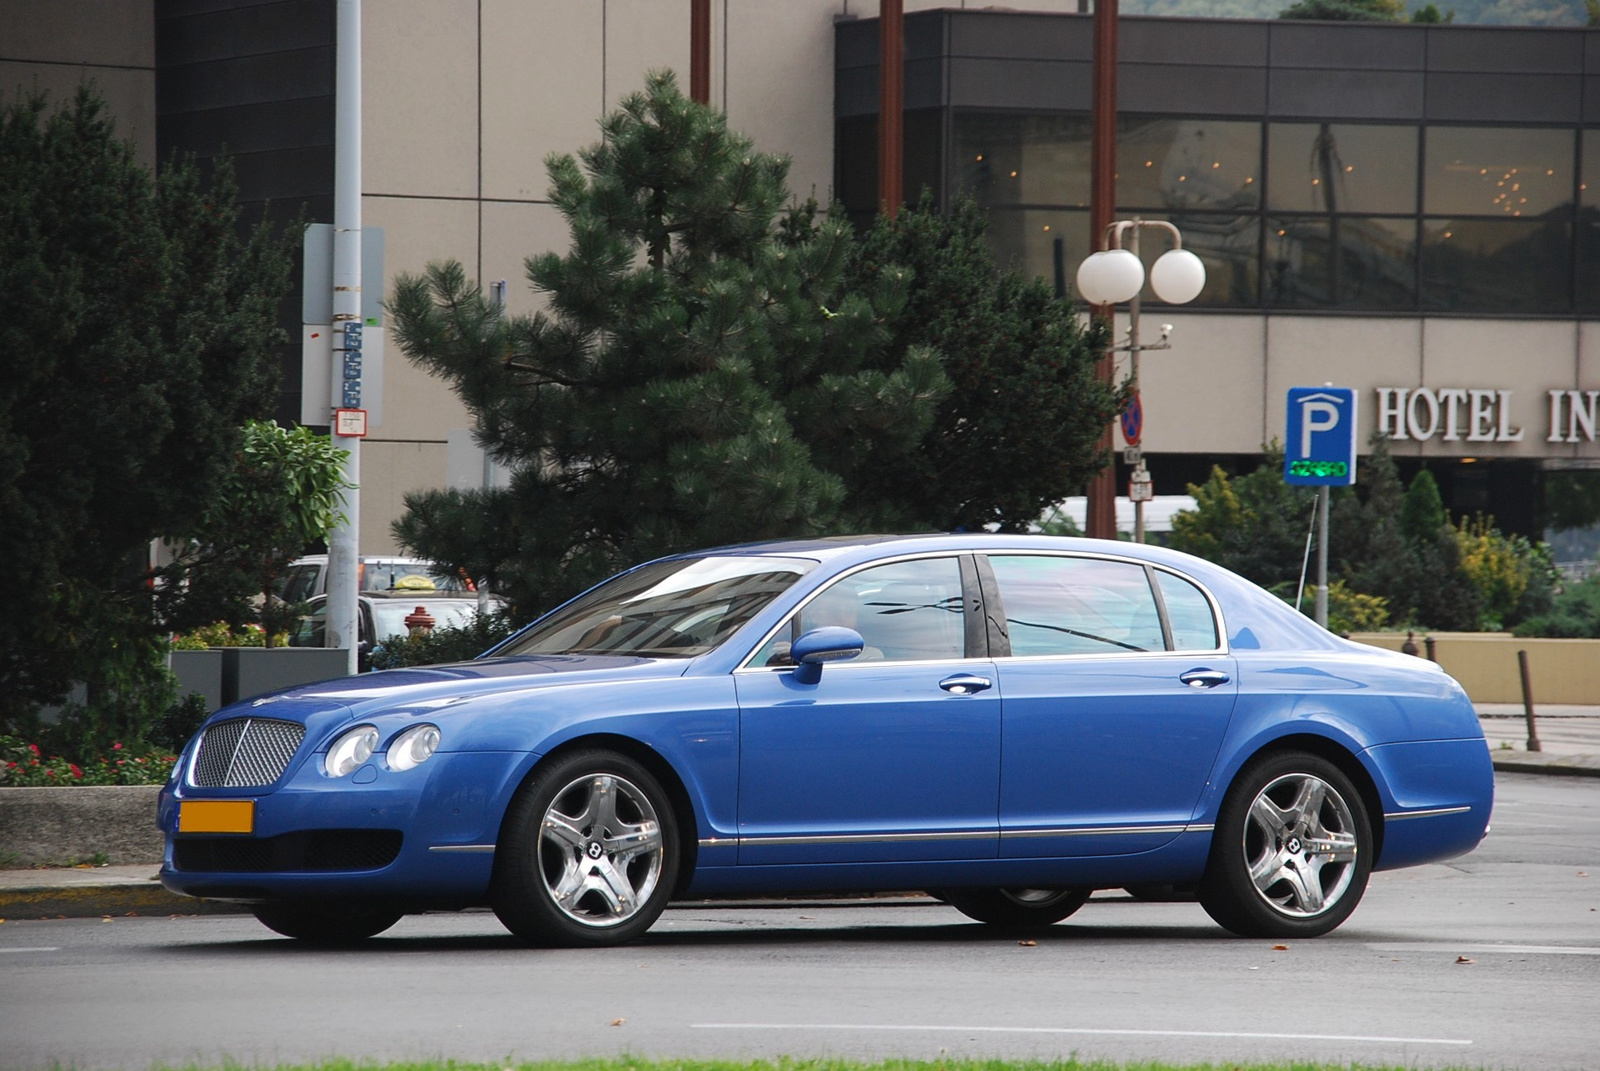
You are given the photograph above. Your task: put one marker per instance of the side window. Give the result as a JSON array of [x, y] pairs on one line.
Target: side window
[[905, 611], [1061, 606], [1194, 627]]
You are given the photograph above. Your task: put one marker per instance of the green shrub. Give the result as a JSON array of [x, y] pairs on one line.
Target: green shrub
[[27, 765]]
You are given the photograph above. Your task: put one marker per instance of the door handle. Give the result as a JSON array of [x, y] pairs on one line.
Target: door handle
[[1203, 678], [965, 684]]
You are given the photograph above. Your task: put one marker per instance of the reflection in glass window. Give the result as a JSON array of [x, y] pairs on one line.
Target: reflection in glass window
[[1341, 167], [1036, 241], [1227, 247], [1178, 164], [1497, 171], [1194, 627], [905, 611], [1496, 265], [1589, 187], [1062, 606], [1376, 265], [1022, 159]]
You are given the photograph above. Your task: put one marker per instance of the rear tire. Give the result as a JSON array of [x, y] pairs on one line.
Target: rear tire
[[325, 924], [588, 854], [1016, 908], [1292, 849]]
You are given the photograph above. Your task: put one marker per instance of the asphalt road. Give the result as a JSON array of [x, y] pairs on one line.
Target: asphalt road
[[1491, 961]]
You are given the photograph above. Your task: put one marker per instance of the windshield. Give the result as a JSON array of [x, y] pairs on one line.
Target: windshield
[[675, 609]]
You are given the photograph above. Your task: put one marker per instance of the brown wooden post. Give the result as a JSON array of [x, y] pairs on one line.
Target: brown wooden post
[[1101, 519], [700, 51], [891, 105]]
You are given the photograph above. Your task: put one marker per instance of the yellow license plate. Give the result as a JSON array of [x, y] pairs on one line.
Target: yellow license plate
[[217, 816]]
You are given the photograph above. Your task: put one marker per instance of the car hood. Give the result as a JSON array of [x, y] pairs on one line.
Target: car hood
[[436, 687]]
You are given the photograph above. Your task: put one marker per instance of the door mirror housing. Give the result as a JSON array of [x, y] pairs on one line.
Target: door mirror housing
[[831, 643]]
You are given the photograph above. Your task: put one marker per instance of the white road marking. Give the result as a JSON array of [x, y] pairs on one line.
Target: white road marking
[[1082, 1030], [1522, 950]]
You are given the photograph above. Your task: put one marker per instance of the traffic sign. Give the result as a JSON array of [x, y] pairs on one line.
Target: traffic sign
[[1133, 420], [1320, 445]]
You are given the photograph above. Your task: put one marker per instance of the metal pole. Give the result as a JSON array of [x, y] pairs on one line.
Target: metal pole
[[891, 105], [1133, 375], [1527, 702], [700, 51], [343, 553], [1322, 556], [1101, 519]]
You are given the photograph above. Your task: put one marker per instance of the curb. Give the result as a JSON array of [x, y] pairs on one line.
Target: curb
[[91, 901]]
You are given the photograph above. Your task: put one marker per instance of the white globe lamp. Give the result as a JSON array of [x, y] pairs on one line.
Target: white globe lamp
[[1110, 277], [1177, 277]]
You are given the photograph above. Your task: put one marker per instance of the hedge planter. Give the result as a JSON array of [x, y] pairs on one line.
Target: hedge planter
[[113, 824]]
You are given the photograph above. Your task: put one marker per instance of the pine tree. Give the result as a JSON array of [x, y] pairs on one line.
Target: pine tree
[[1019, 430], [136, 326], [697, 379]]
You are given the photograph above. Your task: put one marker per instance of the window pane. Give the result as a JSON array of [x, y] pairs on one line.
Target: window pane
[[904, 611], [1589, 189], [1194, 628], [1497, 171], [1494, 265], [1225, 244], [1341, 167], [1060, 606], [1023, 159], [1026, 240], [1376, 267], [1188, 163]]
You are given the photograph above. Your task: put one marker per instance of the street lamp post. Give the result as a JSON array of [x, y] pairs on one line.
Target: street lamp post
[[1116, 274]]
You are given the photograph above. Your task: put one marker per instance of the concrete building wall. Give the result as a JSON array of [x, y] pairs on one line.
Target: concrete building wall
[[55, 46]]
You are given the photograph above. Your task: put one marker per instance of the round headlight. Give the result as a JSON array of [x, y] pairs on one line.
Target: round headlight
[[413, 747], [350, 751]]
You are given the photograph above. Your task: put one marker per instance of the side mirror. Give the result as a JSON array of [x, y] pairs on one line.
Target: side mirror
[[831, 643]]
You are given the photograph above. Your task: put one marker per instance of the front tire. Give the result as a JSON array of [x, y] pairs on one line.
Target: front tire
[[325, 924], [1292, 850], [1016, 908], [588, 855]]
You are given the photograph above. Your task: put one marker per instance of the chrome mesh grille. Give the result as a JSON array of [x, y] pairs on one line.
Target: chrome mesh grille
[[246, 752]]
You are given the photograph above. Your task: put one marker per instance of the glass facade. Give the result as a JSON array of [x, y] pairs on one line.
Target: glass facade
[[1383, 217]]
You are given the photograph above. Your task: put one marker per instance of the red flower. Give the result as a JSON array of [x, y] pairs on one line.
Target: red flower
[[49, 773], [34, 748], [116, 747], [75, 771]]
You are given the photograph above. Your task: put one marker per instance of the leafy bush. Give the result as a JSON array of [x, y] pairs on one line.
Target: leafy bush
[[1574, 614], [451, 643], [222, 634], [27, 765]]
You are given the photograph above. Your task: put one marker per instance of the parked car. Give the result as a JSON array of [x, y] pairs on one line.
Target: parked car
[[306, 577], [1007, 721], [383, 614]]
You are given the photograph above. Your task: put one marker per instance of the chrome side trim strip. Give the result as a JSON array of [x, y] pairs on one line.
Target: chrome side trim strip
[[865, 838], [469, 849], [717, 842], [1090, 831], [1436, 812], [913, 838]]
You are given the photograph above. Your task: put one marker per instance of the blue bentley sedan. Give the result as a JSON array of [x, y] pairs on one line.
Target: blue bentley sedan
[[1009, 722]]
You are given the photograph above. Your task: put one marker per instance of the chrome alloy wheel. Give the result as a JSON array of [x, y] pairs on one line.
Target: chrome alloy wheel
[[1300, 845], [600, 850]]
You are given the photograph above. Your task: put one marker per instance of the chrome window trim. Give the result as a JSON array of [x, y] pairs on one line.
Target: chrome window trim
[[744, 663], [1216, 607], [1432, 812], [463, 849]]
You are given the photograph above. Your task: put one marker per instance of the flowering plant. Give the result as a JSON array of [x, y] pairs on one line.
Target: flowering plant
[[24, 765]]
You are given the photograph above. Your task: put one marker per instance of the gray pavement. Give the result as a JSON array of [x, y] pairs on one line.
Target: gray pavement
[[1569, 738]]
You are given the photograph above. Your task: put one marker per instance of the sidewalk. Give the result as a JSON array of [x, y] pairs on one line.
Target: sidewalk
[[1570, 739]]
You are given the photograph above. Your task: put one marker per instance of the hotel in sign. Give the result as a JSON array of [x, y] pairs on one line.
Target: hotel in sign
[[1412, 211]]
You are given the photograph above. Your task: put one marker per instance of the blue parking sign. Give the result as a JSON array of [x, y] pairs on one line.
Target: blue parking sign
[[1320, 447]]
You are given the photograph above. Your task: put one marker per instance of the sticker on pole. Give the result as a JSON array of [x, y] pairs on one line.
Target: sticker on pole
[[1320, 444], [350, 423]]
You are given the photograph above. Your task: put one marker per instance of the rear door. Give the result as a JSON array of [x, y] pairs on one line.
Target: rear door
[[1116, 696]]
